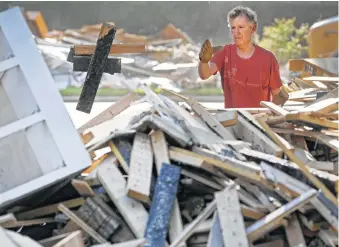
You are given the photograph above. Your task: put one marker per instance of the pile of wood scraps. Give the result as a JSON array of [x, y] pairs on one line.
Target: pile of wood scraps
[[173, 173]]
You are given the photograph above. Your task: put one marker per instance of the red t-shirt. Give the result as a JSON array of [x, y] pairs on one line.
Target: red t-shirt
[[246, 82]]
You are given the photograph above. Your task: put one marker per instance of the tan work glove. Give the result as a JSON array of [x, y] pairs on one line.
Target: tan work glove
[[206, 52]]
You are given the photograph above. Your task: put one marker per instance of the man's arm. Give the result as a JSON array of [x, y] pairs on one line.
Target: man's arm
[[206, 70]]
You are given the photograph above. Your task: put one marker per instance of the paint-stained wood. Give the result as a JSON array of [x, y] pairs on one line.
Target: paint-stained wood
[[132, 211], [140, 171], [215, 238], [162, 204], [161, 155], [259, 228], [228, 118], [231, 220], [96, 68]]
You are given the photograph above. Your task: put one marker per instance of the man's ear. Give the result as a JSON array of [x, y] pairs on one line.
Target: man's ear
[[254, 28]]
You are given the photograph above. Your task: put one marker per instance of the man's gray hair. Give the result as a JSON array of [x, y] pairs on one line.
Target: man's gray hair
[[242, 11]]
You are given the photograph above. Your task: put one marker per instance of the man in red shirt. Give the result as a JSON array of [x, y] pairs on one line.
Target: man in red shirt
[[250, 74]]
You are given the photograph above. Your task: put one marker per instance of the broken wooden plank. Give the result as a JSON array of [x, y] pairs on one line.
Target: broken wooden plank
[[324, 106], [278, 110], [228, 118], [294, 233], [301, 165], [82, 188], [304, 117], [261, 227], [189, 230], [94, 165], [86, 138], [119, 106], [140, 170], [215, 238], [72, 240], [162, 204], [132, 211], [231, 220], [81, 223], [161, 156], [250, 133], [119, 156], [49, 209]]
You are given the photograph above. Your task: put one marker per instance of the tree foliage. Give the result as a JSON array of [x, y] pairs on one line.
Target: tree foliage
[[285, 40]]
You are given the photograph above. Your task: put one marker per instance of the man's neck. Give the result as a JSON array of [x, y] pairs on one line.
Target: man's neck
[[246, 50]]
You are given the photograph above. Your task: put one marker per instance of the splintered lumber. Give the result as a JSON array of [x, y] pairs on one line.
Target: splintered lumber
[[140, 170], [294, 234], [228, 118], [94, 164], [115, 49], [231, 220], [300, 116], [72, 240], [246, 131], [261, 227], [162, 204], [301, 165], [226, 166], [119, 106], [298, 188], [82, 188], [189, 230], [50, 209], [209, 119], [132, 211], [86, 138], [291, 168], [161, 156], [274, 108], [81, 223]]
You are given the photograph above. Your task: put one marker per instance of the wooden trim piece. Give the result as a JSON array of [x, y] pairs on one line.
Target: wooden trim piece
[[189, 230], [312, 120], [74, 239], [140, 170], [50, 209], [81, 223], [302, 166], [259, 228], [112, 111], [132, 211]]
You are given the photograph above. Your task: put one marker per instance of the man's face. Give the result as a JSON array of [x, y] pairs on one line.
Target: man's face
[[241, 30]]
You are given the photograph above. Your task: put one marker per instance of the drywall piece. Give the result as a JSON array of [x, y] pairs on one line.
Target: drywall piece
[[36, 150]]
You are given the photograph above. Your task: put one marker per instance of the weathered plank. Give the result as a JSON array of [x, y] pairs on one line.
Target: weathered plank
[[119, 156], [231, 220], [140, 170], [228, 118], [308, 119], [132, 211], [82, 188], [278, 110], [215, 238], [259, 228], [162, 204]]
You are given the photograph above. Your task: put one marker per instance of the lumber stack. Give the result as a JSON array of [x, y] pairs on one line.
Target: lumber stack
[[180, 174]]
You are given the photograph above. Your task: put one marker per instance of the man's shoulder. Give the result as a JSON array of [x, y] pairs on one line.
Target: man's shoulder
[[265, 52]]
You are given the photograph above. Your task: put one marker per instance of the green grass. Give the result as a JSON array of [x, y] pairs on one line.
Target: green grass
[[73, 91]]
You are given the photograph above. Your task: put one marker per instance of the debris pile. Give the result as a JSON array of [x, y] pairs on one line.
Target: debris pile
[[172, 173]]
